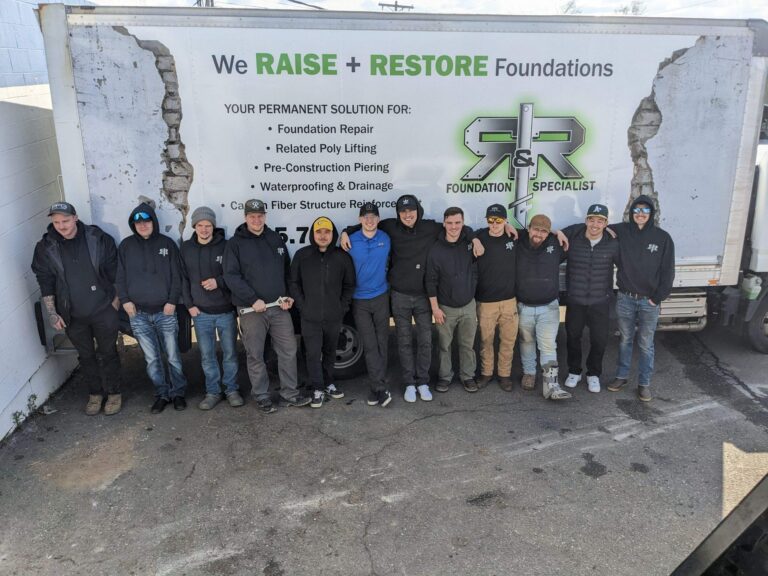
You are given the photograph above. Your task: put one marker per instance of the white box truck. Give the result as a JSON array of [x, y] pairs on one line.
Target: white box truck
[[317, 112]]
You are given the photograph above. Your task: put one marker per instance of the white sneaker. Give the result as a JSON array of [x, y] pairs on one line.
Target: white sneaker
[[593, 383], [424, 392], [572, 380], [410, 393]]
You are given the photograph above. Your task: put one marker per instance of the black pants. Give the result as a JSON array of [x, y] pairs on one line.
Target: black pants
[[102, 326], [372, 322], [414, 363], [594, 316], [320, 342]]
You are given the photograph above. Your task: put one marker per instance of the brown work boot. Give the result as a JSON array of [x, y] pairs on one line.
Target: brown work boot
[[94, 404], [113, 405], [483, 381], [505, 383], [528, 382]]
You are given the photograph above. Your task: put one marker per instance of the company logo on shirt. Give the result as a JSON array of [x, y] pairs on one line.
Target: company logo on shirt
[[653, 248], [509, 245], [550, 249], [163, 251], [281, 251], [469, 247], [219, 259]]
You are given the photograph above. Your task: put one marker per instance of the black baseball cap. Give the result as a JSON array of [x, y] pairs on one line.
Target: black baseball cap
[[62, 208], [496, 211], [598, 210], [369, 208], [255, 205]]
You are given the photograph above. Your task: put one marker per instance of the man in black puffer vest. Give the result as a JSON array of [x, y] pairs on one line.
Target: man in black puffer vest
[[589, 280]]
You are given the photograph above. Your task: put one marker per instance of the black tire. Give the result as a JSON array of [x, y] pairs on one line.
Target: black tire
[[350, 361], [185, 328], [757, 328]]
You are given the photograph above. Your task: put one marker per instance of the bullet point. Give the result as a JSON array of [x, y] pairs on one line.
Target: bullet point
[[268, 148], [255, 167], [253, 186], [270, 128]]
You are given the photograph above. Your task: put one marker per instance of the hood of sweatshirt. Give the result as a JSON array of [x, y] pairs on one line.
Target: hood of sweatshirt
[[334, 232], [409, 200], [144, 207], [642, 199]]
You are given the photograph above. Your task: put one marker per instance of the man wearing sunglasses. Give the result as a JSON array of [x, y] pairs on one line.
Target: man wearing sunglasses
[[149, 287], [645, 275]]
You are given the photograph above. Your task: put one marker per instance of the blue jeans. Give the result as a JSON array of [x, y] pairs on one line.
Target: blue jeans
[[638, 312], [158, 333], [538, 327], [206, 326]]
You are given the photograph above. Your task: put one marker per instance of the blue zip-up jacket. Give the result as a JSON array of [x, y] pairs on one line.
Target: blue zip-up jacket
[[371, 256]]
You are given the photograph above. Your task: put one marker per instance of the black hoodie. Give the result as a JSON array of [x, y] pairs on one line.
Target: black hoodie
[[538, 270], [322, 283], [451, 271], [646, 257], [200, 262], [148, 271]]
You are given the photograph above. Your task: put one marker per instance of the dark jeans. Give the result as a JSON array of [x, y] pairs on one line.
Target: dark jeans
[[100, 364], [320, 342], [372, 322], [158, 334], [415, 366], [594, 316]]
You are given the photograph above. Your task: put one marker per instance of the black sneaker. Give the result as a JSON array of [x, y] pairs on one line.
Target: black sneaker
[[334, 392], [318, 396], [266, 406], [384, 397], [159, 405], [442, 386], [617, 384], [179, 403], [373, 398], [644, 393], [297, 401]]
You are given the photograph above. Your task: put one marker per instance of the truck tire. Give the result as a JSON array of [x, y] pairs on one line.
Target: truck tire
[[185, 328], [757, 328], [349, 352]]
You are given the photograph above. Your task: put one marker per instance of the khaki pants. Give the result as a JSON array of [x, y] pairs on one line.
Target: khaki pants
[[504, 315]]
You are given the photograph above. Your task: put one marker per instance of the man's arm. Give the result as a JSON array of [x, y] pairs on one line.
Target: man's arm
[[233, 275], [667, 276], [347, 283], [186, 287], [174, 293], [295, 286], [431, 278]]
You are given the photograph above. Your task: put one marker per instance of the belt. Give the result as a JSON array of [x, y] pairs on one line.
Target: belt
[[633, 295]]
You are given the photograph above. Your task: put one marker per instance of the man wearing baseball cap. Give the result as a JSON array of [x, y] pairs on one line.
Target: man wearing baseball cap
[[589, 279], [75, 265], [322, 283], [210, 305], [257, 269]]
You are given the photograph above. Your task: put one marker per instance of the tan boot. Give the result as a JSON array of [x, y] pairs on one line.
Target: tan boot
[[94, 404], [113, 405]]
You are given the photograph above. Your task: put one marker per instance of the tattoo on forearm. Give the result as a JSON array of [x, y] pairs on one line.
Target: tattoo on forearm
[[50, 304]]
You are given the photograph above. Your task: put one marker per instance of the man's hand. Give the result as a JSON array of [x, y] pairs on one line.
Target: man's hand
[[563, 239], [344, 242], [610, 231], [259, 305], [116, 303], [477, 248], [57, 321], [439, 316], [209, 284], [287, 303], [651, 302], [169, 309], [130, 309], [510, 230], [194, 311]]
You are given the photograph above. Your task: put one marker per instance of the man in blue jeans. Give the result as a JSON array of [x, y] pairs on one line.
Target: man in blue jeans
[[645, 275], [149, 286], [209, 303]]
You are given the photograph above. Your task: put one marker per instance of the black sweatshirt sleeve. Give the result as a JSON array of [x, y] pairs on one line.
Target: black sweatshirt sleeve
[[233, 275], [347, 283], [295, 286], [46, 277], [174, 293], [121, 281], [667, 273]]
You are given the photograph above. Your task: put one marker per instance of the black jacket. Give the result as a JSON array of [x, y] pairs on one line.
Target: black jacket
[[538, 270], [646, 257], [200, 262], [589, 275], [256, 267], [48, 266], [148, 271], [496, 268], [452, 271], [322, 283]]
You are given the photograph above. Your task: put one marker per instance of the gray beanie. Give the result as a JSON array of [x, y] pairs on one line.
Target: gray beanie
[[203, 213]]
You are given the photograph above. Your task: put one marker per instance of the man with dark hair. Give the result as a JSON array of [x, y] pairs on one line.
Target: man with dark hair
[[645, 276], [322, 283], [451, 280], [149, 287], [257, 270], [75, 266], [210, 305]]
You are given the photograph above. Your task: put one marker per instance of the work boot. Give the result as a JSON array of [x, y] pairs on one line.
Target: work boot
[[470, 385], [528, 382], [234, 399], [94, 404], [209, 401], [617, 384], [113, 405], [484, 380], [505, 383], [551, 384], [644, 393]]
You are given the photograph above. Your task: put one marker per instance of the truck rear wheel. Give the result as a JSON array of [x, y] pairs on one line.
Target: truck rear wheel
[[349, 352], [757, 328]]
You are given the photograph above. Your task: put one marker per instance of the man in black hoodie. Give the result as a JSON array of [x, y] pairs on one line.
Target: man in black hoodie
[[210, 305], [645, 276], [75, 265], [257, 270], [149, 287], [322, 284]]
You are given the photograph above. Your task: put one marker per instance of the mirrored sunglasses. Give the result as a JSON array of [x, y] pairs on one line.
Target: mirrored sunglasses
[[494, 220], [141, 216], [644, 210]]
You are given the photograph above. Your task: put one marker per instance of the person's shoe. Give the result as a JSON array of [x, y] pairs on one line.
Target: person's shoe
[[209, 401], [644, 393], [505, 383], [573, 380], [297, 401], [179, 403], [617, 384], [334, 392], [593, 384], [470, 385], [410, 393], [113, 405], [483, 381], [528, 382], [442, 385], [235, 400], [266, 406], [554, 392], [384, 398], [159, 405], [317, 399], [94, 404], [551, 383], [373, 398], [424, 393]]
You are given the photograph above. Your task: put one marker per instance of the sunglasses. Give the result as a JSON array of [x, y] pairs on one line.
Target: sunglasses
[[494, 220], [645, 210], [141, 216]]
